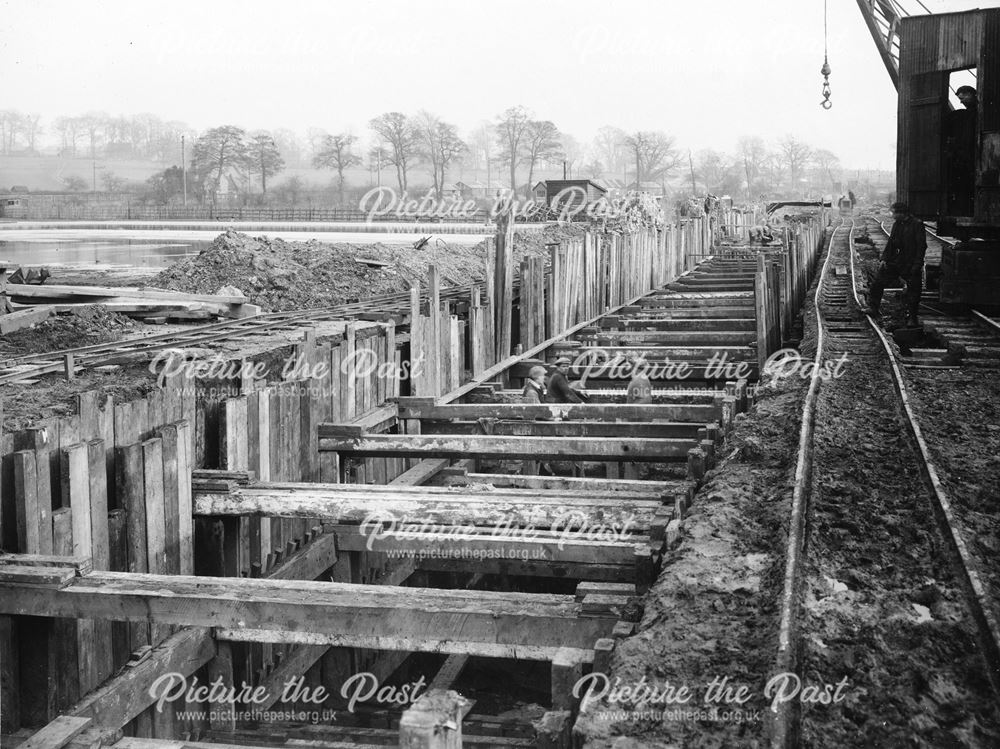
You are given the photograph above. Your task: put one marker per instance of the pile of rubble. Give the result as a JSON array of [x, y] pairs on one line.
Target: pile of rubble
[[280, 275], [86, 325]]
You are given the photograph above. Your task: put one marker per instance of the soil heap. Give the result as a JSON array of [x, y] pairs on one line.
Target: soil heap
[[86, 325], [280, 275]]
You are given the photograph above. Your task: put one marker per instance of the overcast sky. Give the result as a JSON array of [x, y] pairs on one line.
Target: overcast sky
[[705, 72]]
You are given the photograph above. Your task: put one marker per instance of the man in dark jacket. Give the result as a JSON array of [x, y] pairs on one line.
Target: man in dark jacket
[[559, 388], [903, 257]]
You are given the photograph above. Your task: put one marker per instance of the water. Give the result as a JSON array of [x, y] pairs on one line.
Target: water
[[157, 248]]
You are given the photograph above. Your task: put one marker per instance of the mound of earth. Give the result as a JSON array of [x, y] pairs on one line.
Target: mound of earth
[[86, 325], [280, 275]]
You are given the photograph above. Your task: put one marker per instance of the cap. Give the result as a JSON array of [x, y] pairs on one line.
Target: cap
[[535, 371], [563, 360]]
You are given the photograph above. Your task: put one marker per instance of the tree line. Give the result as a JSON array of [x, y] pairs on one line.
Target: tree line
[[513, 146]]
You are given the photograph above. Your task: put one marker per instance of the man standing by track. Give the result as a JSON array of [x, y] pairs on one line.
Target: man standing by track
[[903, 257]]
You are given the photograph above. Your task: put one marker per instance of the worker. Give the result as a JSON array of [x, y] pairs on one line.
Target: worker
[[960, 152], [903, 257], [969, 98], [766, 234], [559, 390], [534, 385], [640, 389]]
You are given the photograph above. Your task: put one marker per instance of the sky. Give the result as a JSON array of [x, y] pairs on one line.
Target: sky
[[704, 72]]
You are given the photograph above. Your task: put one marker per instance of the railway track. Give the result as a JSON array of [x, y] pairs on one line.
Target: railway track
[[874, 589]]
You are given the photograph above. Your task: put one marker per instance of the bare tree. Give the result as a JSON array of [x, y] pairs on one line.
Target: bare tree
[[796, 155], [69, 133], [264, 158], [827, 162], [217, 150], [572, 152], [439, 146], [32, 129], [752, 155], [338, 154], [654, 155], [397, 131], [541, 143], [593, 169], [718, 172], [610, 149], [11, 124], [94, 125], [510, 134]]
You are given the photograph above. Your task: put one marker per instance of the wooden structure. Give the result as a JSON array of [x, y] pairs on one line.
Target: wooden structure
[[948, 159], [244, 530]]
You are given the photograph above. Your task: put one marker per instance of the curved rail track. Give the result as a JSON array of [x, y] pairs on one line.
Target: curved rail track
[[866, 568]]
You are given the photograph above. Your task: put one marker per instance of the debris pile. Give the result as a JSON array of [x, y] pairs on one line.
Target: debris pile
[[84, 326], [280, 275]]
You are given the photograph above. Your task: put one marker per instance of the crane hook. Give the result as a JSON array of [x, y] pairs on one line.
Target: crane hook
[[825, 71]]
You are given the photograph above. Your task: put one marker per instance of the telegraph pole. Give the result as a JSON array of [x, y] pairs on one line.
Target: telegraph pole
[[184, 181]]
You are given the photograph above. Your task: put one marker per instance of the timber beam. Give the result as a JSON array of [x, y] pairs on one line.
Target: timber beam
[[517, 427], [353, 505], [289, 607], [523, 448], [708, 409]]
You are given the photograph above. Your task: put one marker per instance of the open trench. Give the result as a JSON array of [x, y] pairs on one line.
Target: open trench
[[514, 560]]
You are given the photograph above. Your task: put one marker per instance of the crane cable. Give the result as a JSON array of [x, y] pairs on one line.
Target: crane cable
[[825, 70]]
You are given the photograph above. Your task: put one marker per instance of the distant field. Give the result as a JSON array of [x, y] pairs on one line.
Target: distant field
[[48, 172]]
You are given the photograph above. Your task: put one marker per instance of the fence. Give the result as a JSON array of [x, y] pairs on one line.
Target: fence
[[781, 281]]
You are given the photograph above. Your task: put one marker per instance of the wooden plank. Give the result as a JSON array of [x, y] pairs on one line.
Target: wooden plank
[[10, 677], [700, 413], [56, 734], [63, 644], [524, 428], [53, 291], [152, 466], [29, 517], [185, 522], [364, 509], [525, 448], [24, 318], [76, 495], [540, 547], [101, 553], [130, 483], [171, 449], [284, 607], [40, 441], [449, 672], [309, 562]]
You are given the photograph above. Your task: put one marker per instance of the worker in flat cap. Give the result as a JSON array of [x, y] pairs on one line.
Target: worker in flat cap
[[559, 390]]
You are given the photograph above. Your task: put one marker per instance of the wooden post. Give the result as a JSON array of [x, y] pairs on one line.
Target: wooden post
[[504, 284], [434, 721], [567, 668]]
